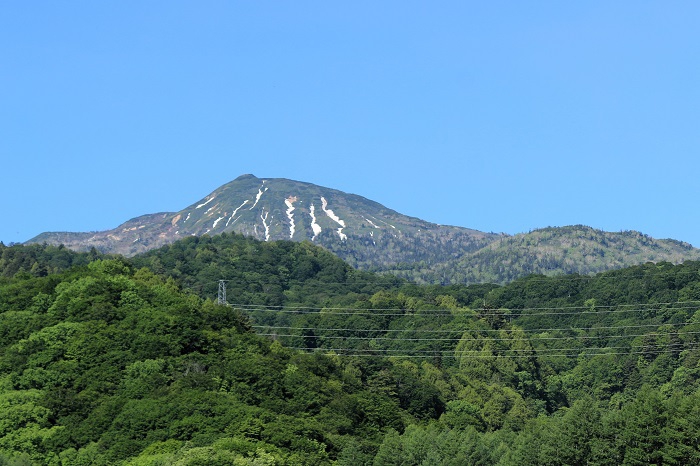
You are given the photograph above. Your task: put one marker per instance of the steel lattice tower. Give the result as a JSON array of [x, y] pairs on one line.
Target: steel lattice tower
[[221, 299]]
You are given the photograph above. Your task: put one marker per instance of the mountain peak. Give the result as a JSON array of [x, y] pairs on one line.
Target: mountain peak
[[363, 232], [247, 176], [371, 236]]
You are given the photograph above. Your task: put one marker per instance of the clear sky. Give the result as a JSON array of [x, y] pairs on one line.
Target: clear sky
[[499, 116]]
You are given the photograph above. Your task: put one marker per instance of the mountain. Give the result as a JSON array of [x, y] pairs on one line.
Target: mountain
[[555, 251], [370, 236], [364, 233]]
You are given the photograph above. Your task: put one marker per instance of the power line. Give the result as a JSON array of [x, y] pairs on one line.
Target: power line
[[561, 329], [446, 312], [352, 352], [567, 308], [345, 308], [532, 339], [532, 278]]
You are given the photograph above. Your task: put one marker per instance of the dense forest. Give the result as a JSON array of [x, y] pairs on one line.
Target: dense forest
[[550, 251], [106, 360]]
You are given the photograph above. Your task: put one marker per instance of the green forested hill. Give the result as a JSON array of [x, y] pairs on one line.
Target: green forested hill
[[129, 361], [551, 251], [109, 365], [40, 259]]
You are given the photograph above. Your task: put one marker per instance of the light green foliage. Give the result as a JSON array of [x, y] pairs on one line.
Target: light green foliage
[[113, 364], [432, 446]]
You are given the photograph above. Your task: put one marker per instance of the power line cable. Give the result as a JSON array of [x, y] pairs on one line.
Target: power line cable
[[352, 352], [447, 312], [580, 337], [553, 308], [532, 278], [473, 330]]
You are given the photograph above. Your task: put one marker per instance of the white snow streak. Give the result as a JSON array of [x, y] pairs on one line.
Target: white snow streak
[[217, 221], [263, 217], [392, 226], [188, 217], [329, 212], [205, 203], [290, 208], [234, 212], [371, 223], [315, 227], [334, 217], [210, 209], [257, 198]]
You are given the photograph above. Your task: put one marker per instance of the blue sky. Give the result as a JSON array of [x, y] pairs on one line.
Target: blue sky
[[498, 116]]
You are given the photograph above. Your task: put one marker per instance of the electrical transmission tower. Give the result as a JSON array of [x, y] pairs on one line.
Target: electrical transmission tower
[[221, 299]]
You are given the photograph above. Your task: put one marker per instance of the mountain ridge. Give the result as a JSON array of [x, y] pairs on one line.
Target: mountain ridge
[[371, 236]]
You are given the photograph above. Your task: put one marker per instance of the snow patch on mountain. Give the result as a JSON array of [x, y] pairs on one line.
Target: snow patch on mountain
[[290, 208], [263, 217], [371, 222], [205, 203], [315, 227], [259, 195], [379, 219], [329, 212], [234, 212], [334, 217], [217, 221]]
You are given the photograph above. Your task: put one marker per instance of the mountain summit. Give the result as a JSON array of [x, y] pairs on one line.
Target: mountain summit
[[372, 237], [361, 231]]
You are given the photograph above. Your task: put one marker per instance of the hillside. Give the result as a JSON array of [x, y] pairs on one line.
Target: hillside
[[553, 251], [362, 232], [369, 236], [110, 363]]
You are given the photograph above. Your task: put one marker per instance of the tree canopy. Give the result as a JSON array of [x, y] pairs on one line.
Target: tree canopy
[[107, 360]]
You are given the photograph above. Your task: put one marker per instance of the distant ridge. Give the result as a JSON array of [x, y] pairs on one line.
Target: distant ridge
[[371, 236]]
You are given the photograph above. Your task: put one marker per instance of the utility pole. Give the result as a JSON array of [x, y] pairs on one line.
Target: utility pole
[[221, 299]]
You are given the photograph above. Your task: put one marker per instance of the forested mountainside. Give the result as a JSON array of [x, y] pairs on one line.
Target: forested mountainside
[[369, 236], [130, 361], [554, 251], [40, 260]]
